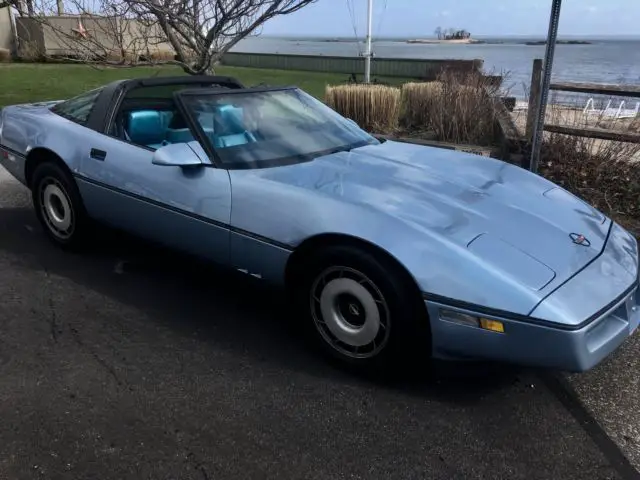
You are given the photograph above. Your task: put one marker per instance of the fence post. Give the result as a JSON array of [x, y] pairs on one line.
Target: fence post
[[534, 97]]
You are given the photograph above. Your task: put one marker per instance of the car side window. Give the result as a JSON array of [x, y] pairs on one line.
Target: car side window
[[148, 117], [151, 128], [78, 109]]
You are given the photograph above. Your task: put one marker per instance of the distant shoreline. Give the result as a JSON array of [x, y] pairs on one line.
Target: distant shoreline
[[561, 42], [461, 41]]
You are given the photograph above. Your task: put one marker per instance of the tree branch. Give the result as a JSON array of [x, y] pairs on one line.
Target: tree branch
[[198, 32]]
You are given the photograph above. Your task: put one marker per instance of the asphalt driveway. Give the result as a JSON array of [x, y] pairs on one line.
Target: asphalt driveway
[[130, 363]]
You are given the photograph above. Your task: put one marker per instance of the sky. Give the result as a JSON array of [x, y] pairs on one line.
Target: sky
[[408, 18]]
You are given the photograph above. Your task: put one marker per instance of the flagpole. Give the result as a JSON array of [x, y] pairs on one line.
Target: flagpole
[[368, 54]]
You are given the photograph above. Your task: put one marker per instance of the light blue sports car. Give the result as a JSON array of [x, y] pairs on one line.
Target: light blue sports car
[[392, 251]]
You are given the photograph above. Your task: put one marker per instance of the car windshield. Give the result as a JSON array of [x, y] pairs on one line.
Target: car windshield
[[254, 129]]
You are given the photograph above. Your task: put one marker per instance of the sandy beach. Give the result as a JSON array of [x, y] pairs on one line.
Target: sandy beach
[[576, 117]]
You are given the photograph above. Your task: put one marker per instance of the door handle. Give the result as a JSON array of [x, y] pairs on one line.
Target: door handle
[[98, 154]]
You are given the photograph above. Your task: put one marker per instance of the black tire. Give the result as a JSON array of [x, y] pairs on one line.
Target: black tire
[[405, 337], [50, 182]]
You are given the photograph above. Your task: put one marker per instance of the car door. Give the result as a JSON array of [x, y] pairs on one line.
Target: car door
[[184, 208]]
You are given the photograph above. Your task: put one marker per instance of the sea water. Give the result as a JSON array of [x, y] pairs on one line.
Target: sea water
[[604, 60]]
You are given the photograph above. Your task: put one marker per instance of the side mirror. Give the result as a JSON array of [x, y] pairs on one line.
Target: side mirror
[[176, 155]]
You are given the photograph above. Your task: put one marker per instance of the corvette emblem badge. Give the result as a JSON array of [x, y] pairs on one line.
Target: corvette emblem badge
[[580, 239]]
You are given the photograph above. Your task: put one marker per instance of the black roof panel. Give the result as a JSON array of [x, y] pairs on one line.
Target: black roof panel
[[204, 80]]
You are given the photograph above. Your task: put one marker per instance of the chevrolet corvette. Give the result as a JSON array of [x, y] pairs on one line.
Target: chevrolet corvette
[[387, 248]]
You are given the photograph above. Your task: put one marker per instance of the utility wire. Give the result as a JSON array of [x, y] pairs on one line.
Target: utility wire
[[384, 11], [352, 15]]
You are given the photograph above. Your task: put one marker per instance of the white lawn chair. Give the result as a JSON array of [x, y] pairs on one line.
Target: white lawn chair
[[611, 112]]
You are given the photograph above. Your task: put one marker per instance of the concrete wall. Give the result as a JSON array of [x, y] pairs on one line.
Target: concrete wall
[[30, 38], [6, 32], [105, 36], [391, 67]]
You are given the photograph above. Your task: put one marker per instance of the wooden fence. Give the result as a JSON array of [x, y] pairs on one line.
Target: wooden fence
[[627, 91]]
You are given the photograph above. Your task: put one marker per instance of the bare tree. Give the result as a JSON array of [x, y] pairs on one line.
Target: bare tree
[[201, 31], [100, 34], [196, 33], [22, 7], [438, 33]]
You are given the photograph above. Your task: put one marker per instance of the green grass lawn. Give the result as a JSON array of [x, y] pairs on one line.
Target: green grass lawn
[[23, 83]]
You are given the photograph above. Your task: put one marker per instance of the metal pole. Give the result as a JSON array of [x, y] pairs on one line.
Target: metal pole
[[546, 81], [367, 53]]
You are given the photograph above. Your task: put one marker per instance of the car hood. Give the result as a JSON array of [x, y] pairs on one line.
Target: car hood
[[516, 222], [38, 105]]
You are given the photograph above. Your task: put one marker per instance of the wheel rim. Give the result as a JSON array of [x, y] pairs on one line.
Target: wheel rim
[[350, 312], [56, 208]]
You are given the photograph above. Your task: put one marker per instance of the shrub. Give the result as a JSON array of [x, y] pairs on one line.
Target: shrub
[[373, 107], [459, 107], [416, 100], [162, 56], [606, 174], [31, 52]]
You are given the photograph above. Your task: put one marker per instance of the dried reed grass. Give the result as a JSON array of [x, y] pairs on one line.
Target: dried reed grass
[[374, 107], [416, 99], [459, 108]]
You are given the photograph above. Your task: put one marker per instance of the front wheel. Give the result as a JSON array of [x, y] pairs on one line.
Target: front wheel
[[363, 310], [58, 205]]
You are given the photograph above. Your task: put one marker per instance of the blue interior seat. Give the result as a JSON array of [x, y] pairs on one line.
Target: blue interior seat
[[178, 130], [229, 129], [147, 127], [150, 128], [179, 135], [165, 118]]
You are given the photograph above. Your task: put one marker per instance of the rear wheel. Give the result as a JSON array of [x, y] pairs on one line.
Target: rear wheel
[[58, 205], [363, 310]]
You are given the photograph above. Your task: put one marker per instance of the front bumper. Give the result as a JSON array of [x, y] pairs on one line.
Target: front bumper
[[573, 329], [537, 345]]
